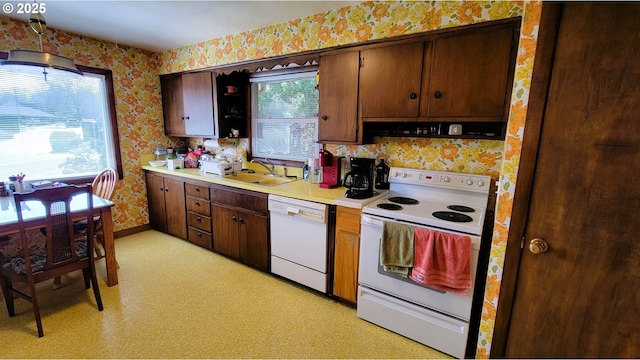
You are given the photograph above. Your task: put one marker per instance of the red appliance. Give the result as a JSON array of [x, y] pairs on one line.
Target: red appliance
[[331, 170]]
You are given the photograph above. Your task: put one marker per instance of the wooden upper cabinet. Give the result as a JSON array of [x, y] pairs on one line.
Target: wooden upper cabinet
[[471, 76], [338, 98], [390, 81], [172, 104], [187, 102]]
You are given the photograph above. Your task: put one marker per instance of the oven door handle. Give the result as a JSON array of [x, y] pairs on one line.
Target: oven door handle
[[371, 220]]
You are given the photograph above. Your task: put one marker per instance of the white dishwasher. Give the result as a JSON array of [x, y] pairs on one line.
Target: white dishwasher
[[299, 241]]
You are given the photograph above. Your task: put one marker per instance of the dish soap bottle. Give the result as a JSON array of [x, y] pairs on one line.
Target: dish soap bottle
[[382, 176]]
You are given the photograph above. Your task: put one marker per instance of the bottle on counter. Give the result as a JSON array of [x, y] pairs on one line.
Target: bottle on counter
[[305, 171], [382, 176]]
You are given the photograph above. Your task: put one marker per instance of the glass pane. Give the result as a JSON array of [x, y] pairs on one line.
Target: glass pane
[[285, 117], [53, 127]]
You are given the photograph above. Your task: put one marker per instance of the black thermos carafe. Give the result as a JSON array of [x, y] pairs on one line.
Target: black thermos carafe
[[382, 175]]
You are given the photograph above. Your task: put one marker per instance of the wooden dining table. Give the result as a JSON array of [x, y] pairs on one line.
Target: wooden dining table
[[33, 213]]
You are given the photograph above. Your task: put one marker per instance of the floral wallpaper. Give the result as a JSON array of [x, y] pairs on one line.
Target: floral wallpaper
[[137, 98], [140, 112]]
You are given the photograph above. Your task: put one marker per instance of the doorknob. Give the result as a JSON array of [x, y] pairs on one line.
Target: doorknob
[[538, 246]]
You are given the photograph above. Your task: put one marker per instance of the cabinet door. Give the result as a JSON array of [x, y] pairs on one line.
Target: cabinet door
[[338, 102], [175, 207], [347, 248], [172, 105], [470, 76], [225, 231], [253, 239], [390, 79], [155, 197], [197, 90]]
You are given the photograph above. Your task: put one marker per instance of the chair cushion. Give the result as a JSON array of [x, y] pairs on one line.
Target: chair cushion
[[38, 258]]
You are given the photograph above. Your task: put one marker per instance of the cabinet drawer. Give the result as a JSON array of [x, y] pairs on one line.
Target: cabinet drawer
[[197, 191], [199, 206], [201, 238], [241, 199], [348, 219], [199, 221]]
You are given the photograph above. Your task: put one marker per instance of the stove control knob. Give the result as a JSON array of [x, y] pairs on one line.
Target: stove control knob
[[446, 179], [404, 175], [480, 183], [469, 182]]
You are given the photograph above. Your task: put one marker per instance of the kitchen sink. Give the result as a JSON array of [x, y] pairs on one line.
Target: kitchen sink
[[260, 178]]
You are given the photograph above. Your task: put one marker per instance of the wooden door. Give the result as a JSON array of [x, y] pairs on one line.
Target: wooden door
[[338, 101], [390, 78], [469, 79], [176, 208], [253, 240], [155, 198], [172, 104], [197, 90], [580, 298], [225, 231]]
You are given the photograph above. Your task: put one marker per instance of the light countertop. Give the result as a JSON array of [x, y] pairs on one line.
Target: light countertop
[[298, 189]]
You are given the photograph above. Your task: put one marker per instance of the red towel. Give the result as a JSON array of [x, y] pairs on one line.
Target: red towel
[[442, 261]]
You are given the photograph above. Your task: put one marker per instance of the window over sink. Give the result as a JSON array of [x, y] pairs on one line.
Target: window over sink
[[285, 115]]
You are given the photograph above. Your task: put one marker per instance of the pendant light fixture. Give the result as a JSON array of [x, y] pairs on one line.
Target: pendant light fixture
[[42, 59]]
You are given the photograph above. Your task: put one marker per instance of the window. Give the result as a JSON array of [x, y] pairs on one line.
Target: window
[[58, 127], [285, 116]]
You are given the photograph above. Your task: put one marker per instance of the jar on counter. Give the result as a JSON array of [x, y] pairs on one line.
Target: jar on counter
[[13, 180]]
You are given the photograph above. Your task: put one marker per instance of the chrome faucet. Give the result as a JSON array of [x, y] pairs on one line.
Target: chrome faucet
[[271, 167]]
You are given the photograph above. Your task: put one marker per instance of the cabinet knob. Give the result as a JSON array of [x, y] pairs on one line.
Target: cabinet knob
[[538, 246], [233, 218], [241, 221], [197, 189], [413, 96], [198, 219], [197, 203], [437, 94], [324, 117]]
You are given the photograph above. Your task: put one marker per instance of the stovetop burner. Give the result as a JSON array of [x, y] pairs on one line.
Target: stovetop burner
[[460, 208], [388, 206], [403, 200], [452, 216]]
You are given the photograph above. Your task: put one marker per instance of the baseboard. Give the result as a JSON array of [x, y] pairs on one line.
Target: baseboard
[[131, 231]]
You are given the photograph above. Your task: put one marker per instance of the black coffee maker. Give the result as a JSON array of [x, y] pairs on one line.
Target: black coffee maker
[[359, 180]]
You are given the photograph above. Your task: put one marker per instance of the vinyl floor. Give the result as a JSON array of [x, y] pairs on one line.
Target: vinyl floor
[[177, 300]]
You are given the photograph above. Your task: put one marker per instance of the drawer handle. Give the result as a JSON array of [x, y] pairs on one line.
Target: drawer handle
[[199, 235], [198, 219], [197, 189], [197, 203]]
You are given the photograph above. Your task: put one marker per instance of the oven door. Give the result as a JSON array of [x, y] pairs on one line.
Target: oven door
[[372, 275]]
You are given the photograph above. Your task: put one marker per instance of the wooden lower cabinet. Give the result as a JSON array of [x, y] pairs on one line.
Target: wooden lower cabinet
[[241, 225], [347, 253], [167, 209]]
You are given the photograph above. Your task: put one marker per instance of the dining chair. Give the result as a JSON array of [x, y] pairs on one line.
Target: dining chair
[[63, 253], [103, 185]]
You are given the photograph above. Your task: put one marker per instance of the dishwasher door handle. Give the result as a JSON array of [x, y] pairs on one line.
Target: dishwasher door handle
[[292, 210]]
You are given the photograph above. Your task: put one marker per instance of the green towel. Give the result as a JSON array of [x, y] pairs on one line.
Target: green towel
[[396, 248]]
